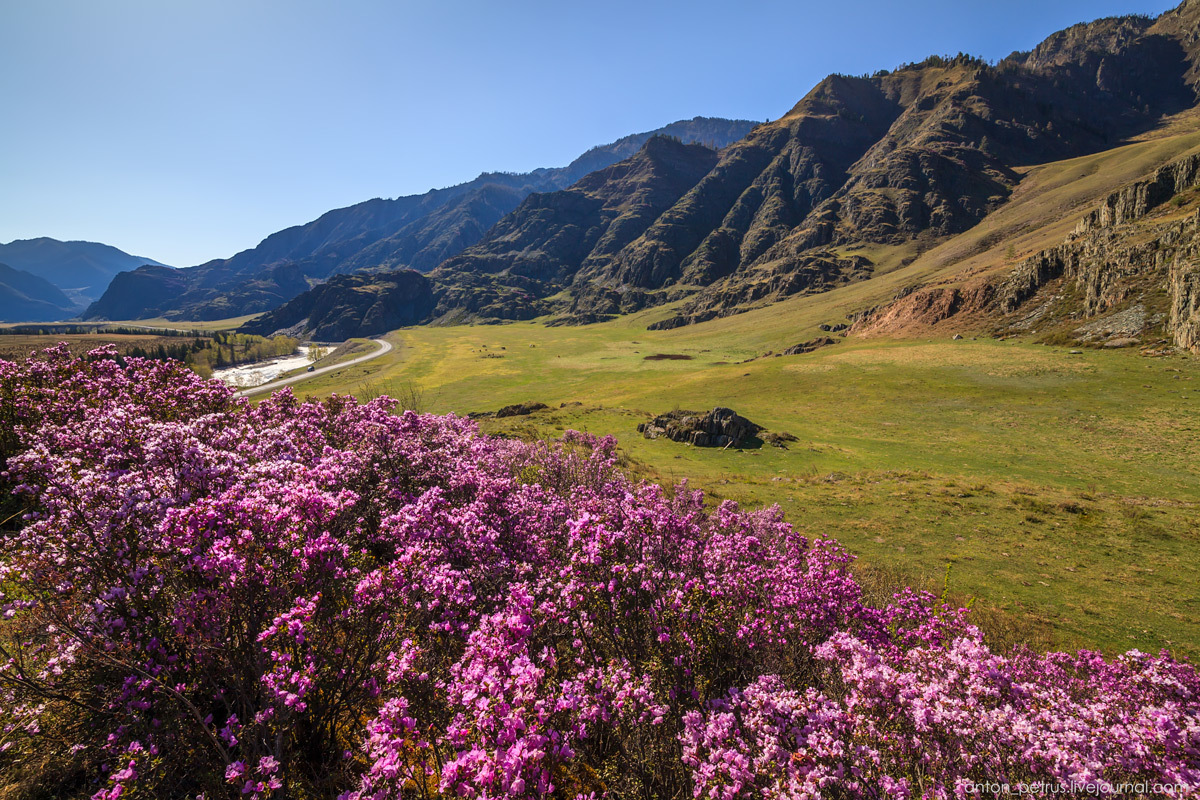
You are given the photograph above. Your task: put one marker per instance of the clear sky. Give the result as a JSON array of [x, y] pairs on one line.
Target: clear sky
[[185, 130]]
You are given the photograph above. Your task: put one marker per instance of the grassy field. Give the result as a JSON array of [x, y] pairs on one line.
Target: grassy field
[[1062, 488]]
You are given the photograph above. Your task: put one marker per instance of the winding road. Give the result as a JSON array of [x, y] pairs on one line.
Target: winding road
[[384, 347]]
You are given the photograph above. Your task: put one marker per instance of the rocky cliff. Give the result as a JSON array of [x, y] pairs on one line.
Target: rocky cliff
[[1131, 242], [1130, 270]]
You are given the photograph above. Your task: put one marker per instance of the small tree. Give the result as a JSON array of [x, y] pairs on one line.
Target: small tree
[[316, 352]]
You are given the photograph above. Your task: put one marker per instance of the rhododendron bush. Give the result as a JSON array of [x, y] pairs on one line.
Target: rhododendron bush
[[202, 597]]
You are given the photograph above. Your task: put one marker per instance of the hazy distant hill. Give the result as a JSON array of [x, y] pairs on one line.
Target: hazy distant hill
[[25, 297], [417, 231], [81, 269]]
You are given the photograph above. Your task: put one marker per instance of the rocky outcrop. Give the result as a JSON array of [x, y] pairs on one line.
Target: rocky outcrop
[[1184, 286], [809, 346], [1130, 246], [721, 427], [520, 410], [914, 308], [1116, 245], [1138, 199]]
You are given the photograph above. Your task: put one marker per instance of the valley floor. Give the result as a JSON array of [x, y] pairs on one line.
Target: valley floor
[[1059, 489]]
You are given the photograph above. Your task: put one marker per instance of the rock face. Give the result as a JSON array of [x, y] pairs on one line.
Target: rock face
[[1118, 248], [721, 427], [1184, 283], [1131, 251]]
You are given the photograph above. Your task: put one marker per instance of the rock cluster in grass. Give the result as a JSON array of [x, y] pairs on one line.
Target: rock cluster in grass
[[721, 427], [809, 346], [520, 409]]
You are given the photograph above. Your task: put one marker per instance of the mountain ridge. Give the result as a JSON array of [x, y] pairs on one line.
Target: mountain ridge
[[415, 230], [80, 268], [25, 297]]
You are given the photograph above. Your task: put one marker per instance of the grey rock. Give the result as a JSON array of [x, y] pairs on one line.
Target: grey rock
[[721, 427]]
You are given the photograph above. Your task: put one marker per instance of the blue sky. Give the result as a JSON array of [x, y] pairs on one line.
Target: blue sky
[[185, 130]]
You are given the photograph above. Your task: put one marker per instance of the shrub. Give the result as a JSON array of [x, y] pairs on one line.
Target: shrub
[[325, 599]]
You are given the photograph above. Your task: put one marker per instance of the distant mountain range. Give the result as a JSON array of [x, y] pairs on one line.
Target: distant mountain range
[[45, 279], [861, 177], [24, 297], [416, 232]]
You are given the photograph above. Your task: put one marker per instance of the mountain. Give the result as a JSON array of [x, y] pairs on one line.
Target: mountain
[[553, 238], [958, 132], [417, 231], [861, 177], [81, 269], [348, 306], [24, 297], [539, 246]]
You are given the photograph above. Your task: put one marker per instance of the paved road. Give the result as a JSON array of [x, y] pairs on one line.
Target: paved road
[[384, 347]]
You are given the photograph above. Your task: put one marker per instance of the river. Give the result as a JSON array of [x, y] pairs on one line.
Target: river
[[244, 376]]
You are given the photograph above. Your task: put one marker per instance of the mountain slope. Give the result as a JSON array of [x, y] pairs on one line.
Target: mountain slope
[[347, 306], [417, 231], [24, 297], [530, 254], [563, 237], [83, 269], [949, 158]]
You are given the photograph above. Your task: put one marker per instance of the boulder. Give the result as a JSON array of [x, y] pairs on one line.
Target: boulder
[[721, 427], [520, 409]]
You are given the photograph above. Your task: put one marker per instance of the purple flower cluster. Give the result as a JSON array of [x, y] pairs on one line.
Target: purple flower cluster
[[328, 599]]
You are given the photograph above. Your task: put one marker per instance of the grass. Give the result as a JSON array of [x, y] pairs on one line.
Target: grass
[[1061, 487], [229, 324], [19, 346]]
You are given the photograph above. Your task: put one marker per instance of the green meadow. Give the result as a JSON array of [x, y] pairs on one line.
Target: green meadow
[[1059, 492]]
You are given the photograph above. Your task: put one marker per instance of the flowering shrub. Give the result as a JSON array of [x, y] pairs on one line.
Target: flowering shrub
[[326, 599]]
